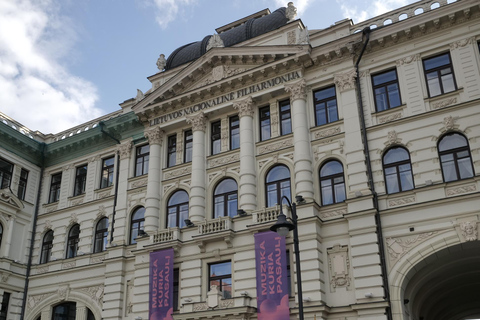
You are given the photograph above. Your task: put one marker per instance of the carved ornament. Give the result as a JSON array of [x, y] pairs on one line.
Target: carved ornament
[[345, 81], [297, 90], [275, 146], [161, 62], [408, 60], [460, 190], [224, 160], [63, 292], [125, 149], [139, 183], [398, 247], [95, 293], [401, 201], [215, 42], [461, 43], [154, 135], [328, 132], [444, 103], [244, 107], [178, 172], [333, 213], [339, 267], [390, 117], [469, 230], [198, 121]]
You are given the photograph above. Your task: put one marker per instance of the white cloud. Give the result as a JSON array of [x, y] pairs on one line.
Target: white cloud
[[301, 5], [360, 11], [167, 11], [37, 90]]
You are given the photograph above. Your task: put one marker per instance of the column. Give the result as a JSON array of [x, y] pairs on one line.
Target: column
[[247, 191], [301, 140], [120, 233], [81, 311], [8, 234], [197, 190], [152, 199]]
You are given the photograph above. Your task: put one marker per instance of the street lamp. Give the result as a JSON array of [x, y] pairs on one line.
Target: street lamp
[[282, 227]]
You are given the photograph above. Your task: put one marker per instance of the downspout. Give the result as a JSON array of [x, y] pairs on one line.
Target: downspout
[[101, 124], [34, 230], [378, 221]]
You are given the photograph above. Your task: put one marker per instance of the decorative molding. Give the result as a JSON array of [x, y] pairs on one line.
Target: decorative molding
[[291, 37], [444, 103], [215, 42], [303, 37], [401, 201], [328, 132], [198, 121], [10, 198], [339, 267], [390, 117], [244, 107], [41, 270], [345, 81], [461, 190], [448, 123], [275, 146], [203, 306], [224, 160], [139, 183], [398, 247], [461, 43], [4, 277], [52, 208], [177, 173], [297, 90], [63, 292], [226, 303], [48, 225], [104, 194], [73, 219], [94, 159], [333, 213], [68, 167], [154, 135], [68, 265], [77, 202], [124, 150], [95, 293], [469, 230], [97, 259], [392, 138], [102, 212], [35, 300], [408, 60]]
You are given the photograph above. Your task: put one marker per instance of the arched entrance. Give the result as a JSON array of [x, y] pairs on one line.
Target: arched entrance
[[445, 285]]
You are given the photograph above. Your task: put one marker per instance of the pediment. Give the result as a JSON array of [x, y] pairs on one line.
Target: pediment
[[220, 65], [8, 198]]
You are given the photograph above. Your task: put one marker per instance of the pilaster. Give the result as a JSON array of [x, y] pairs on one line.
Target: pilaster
[[124, 151]]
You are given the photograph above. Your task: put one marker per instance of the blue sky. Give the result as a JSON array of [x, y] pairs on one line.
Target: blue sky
[[65, 62]]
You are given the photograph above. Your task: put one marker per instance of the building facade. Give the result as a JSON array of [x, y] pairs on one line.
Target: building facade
[[376, 125]]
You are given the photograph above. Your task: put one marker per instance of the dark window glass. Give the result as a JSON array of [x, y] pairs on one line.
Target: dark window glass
[[216, 137], [398, 170], [332, 183], [172, 151], [107, 172], [101, 235], [325, 106], [72, 243], [385, 90], [177, 209], [234, 132], [285, 118], [90, 315], [277, 185], [265, 126], [220, 275], [80, 180], [6, 169], [289, 275], [176, 287], [188, 143], [225, 199], [5, 303], [141, 160], [47, 245], [1, 234], [455, 157], [22, 184], [55, 188], [136, 224], [439, 75], [65, 311]]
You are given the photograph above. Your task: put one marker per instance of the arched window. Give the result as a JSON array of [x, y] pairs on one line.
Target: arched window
[[101, 235], [455, 157], [65, 311], [47, 245], [225, 198], [332, 183], [72, 242], [277, 185], [398, 170], [177, 209], [136, 224]]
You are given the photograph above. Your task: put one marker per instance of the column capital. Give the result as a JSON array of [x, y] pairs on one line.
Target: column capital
[[345, 81], [244, 107], [198, 121], [154, 135], [124, 150], [297, 90]]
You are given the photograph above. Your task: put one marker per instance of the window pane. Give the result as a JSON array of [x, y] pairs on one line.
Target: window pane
[[448, 83], [465, 168], [340, 192], [384, 77], [393, 95], [448, 168], [434, 86], [321, 114], [330, 168], [381, 99], [436, 62], [232, 205], [392, 183], [278, 173], [395, 155], [219, 205], [332, 110], [327, 195], [220, 269], [227, 185]]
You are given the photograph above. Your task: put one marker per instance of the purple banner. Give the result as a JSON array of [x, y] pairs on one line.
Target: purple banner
[[161, 285], [272, 286]]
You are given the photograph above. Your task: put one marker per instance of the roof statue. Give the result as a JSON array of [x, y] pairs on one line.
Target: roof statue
[[303, 37], [161, 62], [139, 96], [291, 12], [215, 42]]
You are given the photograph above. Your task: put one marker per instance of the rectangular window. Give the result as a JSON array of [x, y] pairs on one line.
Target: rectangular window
[[172, 151], [216, 137], [188, 143], [220, 275], [386, 91], [5, 303], [80, 180], [55, 188], [141, 160], [285, 118], [22, 184], [234, 132], [107, 172], [439, 75], [176, 287], [6, 170], [265, 129], [325, 101]]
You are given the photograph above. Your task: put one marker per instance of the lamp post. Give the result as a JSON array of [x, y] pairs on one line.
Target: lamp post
[[282, 227]]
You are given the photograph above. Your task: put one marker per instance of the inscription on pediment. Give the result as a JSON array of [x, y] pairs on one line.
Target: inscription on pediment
[[218, 73]]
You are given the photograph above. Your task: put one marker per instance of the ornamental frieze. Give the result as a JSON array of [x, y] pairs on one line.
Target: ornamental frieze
[[461, 43], [469, 230], [95, 293], [139, 183], [401, 201], [177, 173], [390, 117], [224, 160], [327, 133], [154, 135], [275, 146], [333, 213], [408, 60], [398, 247], [345, 81], [443, 103], [460, 190]]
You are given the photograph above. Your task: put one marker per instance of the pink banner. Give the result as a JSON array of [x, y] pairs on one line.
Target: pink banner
[[272, 285], [161, 285]]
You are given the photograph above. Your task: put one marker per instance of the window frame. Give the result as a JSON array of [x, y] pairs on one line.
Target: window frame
[[454, 152], [172, 150], [287, 115], [176, 288], [55, 186], [136, 224], [5, 304], [262, 116], [70, 308], [317, 103], [22, 184], [225, 199], [142, 159], [216, 137], [220, 278], [439, 75], [179, 224], [106, 177], [187, 146], [80, 178], [234, 132], [100, 234], [47, 245], [5, 176], [331, 178], [385, 85], [277, 184], [397, 165], [72, 242]]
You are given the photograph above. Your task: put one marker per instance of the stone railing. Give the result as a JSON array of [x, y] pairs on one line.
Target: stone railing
[[165, 235], [16, 125], [400, 14], [216, 225], [265, 215]]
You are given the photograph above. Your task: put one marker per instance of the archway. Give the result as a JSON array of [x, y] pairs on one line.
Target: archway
[[444, 285]]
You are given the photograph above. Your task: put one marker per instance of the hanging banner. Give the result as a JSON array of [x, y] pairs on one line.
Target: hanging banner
[[272, 285], [161, 285]]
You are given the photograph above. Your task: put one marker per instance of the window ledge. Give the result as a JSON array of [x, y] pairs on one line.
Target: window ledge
[[444, 100]]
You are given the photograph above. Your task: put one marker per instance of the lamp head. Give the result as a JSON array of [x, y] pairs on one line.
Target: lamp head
[[282, 226]]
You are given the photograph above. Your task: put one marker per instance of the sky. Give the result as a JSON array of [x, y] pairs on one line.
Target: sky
[[66, 62]]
